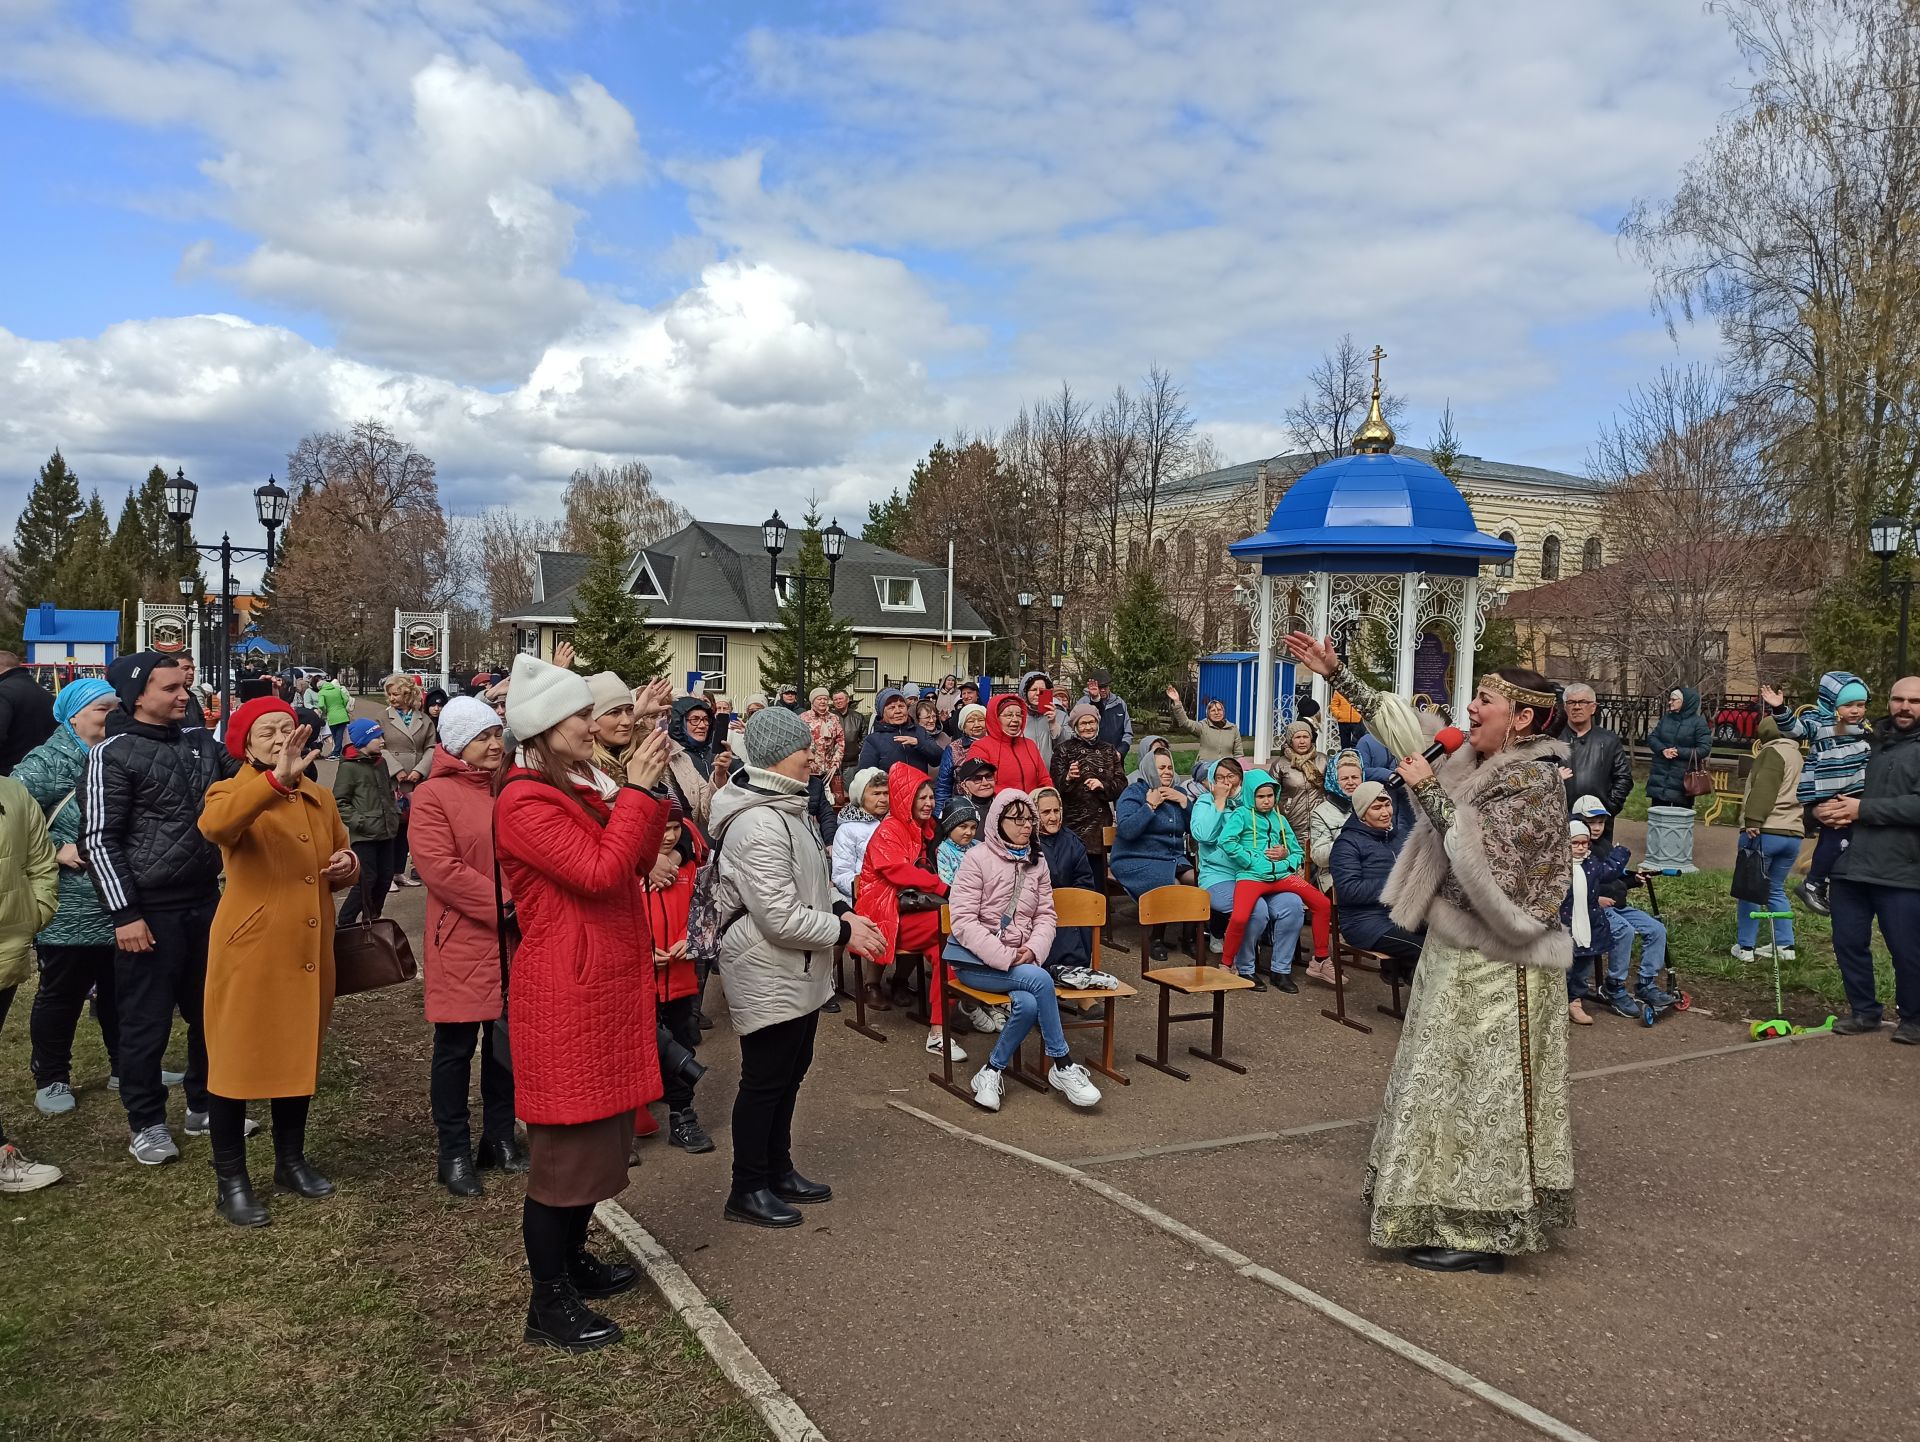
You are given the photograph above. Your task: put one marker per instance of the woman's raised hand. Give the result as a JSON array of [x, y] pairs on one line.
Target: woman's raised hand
[[1318, 657], [292, 759], [647, 762]]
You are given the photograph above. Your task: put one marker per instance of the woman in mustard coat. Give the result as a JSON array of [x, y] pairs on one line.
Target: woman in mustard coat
[[269, 990]]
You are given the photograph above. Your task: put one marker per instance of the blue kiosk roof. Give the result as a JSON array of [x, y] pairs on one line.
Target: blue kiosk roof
[[1372, 512], [48, 623]]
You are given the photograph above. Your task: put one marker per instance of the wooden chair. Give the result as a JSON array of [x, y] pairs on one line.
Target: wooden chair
[[1073, 907], [1343, 955], [858, 1021], [1174, 905], [1112, 886]]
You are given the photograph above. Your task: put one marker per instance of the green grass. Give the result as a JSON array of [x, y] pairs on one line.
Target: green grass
[[388, 1312], [1700, 916]]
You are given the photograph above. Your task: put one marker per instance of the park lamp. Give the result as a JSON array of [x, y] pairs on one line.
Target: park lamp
[[182, 495], [833, 541], [1025, 599], [270, 505], [1884, 538], [773, 532], [186, 586]]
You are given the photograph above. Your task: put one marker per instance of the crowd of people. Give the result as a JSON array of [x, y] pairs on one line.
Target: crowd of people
[[593, 851]]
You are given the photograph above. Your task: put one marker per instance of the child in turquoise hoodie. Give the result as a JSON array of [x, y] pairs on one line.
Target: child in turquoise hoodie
[[1267, 858]]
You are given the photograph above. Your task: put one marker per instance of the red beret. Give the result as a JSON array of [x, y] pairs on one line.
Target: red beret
[[244, 715]]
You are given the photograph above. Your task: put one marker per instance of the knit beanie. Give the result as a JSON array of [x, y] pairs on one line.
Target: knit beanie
[[1577, 830], [819, 693], [1368, 792], [128, 675], [610, 693], [541, 695], [76, 696], [464, 719], [240, 727], [971, 710], [362, 733], [774, 734], [1854, 690], [960, 810], [1083, 708], [862, 779]]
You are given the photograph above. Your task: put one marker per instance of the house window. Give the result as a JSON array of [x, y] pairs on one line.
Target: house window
[[866, 673], [1550, 559], [1590, 554], [899, 593], [1183, 548], [1505, 568], [645, 586], [710, 655], [528, 639]]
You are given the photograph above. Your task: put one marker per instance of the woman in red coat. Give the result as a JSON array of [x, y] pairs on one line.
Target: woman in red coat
[[897, 859], [1016, 761], [451, 835], [574, 849]]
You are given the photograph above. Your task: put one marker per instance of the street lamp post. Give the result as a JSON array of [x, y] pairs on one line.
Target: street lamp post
[[833, 540], [1885, 538], [270, 505], [1059, 601], [1025, 601]]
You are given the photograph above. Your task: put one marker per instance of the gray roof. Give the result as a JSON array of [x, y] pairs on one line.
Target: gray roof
[[557, 571], [717, 574], [1289, 466]]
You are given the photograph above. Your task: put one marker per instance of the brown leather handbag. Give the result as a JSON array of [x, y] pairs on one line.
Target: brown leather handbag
[[368, 955], [1696, 780]]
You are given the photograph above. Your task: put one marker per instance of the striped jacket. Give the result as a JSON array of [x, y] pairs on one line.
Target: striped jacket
[[1836, 760]]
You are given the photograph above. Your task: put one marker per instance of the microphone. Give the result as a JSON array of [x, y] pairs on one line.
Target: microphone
[[1446, 741]]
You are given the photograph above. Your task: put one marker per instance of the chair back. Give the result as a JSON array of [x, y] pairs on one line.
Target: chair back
[[1166, 904], [1078, 907], [1107, 835]]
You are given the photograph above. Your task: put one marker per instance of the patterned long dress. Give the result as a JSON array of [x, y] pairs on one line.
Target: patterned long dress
[[1474, 1147]]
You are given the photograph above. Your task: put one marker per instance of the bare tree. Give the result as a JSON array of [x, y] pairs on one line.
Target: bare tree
[[1797, 228], [629, 492], [1114, 443], [497, 548], [1334, 404], [1166, 434]]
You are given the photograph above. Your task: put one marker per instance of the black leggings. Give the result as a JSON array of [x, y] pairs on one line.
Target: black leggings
[[227, 1124], [552, 1235], [67, 974]]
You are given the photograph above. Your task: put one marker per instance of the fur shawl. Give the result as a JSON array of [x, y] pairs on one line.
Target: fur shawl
[[1495, 881]]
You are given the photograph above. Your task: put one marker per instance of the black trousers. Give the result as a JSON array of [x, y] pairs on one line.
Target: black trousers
[[679, 1016], [773, 1063], [67, 974], [1401, 948], [820, 808], [379, 860], [227, 1130], [452, 1079], [151, 986], [6, 1005]]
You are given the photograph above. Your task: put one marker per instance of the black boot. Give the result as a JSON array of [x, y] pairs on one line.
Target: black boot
[[504, 1155], [760, 1209], [558, 1318], [685, 1132], [235, 1200], [458, 1176], [591, 1277], [795, 1188], [294, 1174], [1448, 1259]]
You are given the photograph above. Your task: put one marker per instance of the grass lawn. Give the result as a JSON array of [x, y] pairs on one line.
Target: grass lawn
[[389, 1311], [1699, 915]]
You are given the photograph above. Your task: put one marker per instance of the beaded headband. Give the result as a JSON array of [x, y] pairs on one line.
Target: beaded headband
[[1518, 695]]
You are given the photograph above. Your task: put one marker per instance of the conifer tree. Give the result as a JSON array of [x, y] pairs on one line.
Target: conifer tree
[[44, 532], [830, 641], [1149, 650], [89, 575], [609, 625]]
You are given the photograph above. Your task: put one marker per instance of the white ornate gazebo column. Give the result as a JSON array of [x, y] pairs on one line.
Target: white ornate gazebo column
[[1322, 625], [1467, 635], [1263, 679], [1409, 637]]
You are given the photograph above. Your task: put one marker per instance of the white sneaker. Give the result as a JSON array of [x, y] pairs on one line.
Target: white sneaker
[[17, 1174], [999, 1014], [1072, 1079], [393, 885], [975, 1016], [988, 1084], [200, 1125], [1785, 953], [154, 1146], [934, 1038], [1217, 945], [1740, 953]]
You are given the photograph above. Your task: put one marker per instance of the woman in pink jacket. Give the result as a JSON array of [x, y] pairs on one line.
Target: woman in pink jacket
[[1003, 924], [451, 833]]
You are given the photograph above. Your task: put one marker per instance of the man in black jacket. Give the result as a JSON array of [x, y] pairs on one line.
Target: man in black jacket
[[26, 712], [1878, 875], [159, 880], [1598, 763]]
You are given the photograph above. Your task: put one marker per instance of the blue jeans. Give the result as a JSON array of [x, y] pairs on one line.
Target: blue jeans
[[1626, 922], [1856, 905], [1029, 992], [1279, 916], [1780, 853]]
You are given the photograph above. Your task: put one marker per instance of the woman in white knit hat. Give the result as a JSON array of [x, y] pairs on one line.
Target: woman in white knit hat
[[613, 724], [574, 849]]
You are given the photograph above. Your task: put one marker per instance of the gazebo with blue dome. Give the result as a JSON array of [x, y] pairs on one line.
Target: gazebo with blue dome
[[1372, 537]]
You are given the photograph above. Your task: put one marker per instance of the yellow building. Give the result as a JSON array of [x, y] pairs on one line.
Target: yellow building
[[709, 593]]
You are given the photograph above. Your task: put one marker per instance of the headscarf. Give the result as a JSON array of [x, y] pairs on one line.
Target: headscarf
[[1147, 769], [75, 697], [700, 753], [1582, 925], [1331, 783]]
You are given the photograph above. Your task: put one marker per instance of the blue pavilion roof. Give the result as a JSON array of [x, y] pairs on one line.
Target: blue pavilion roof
[[1373, 512]]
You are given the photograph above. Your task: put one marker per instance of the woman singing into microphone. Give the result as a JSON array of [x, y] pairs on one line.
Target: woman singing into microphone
[[1472, 1160]]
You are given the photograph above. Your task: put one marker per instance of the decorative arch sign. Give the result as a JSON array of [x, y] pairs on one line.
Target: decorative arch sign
[[165, 628], [420, 641]]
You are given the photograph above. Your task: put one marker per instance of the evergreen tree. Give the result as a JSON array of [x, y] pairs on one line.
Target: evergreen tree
[[44, 532], [886, 525], [1149, 650], [609, 625], [1445, 447], [89, 577], [830, 641]]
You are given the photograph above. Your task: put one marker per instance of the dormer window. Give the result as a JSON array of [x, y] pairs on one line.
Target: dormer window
[[899, 593], [642, 584]]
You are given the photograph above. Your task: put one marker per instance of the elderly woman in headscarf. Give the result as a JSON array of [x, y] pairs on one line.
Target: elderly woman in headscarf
[[1150, 832], [1089, 775], [1301, 771], [972, 726], [699, 760], [1335, 805]]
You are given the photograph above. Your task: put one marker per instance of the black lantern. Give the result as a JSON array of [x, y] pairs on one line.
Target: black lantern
[[182, 495], [773, 531], [833, 541]]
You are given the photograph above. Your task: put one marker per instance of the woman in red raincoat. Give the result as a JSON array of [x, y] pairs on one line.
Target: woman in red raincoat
[[1016, 761], [897, 859], [574, 849]]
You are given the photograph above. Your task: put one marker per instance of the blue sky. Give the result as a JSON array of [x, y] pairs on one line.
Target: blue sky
[[781, 247]]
